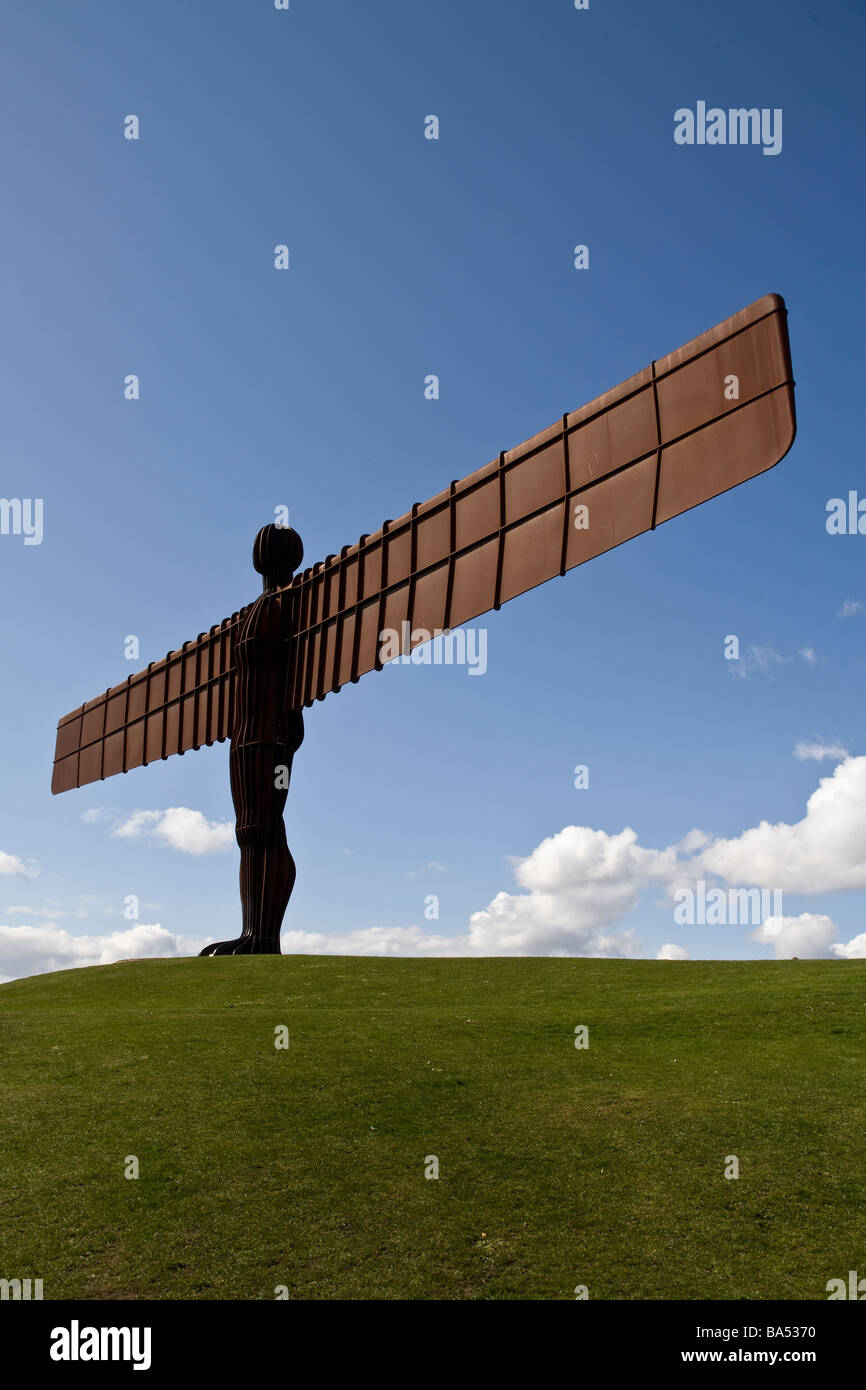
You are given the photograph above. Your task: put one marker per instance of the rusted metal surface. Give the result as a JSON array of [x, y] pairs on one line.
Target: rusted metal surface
[[265, 737], [658, 444], [178, 703]]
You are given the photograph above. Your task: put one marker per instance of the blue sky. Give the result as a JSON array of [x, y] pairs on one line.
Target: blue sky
[[305, 388]]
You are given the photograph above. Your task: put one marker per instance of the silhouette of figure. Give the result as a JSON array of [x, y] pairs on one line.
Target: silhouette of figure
[[264, 740]]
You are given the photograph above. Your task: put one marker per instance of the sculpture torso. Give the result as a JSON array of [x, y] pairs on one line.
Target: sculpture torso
[[263, 654]]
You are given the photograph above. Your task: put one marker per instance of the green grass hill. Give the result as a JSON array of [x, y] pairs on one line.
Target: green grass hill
[[304, 1167]]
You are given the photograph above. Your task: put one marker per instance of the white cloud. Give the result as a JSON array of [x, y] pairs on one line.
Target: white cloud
[[820, 750], [765, 661], [809, 936], [574, 890], [822, 853], [851, 607], [433, 867], [580, 882], [759, 660], [373, 941], [51, 913], [695, 839], [11, 864], [671, 952], [577, 887], [32, 950], [180, 828]]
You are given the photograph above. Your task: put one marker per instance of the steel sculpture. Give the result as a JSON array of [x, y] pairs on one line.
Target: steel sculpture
[[716, 412]]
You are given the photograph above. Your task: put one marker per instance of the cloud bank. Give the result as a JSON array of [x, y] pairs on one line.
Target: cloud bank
[[809, 936], [11, 865], [574, 891], [34, 950], [178, 828]]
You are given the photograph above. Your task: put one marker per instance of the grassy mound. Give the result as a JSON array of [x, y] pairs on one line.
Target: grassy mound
[[305, 1167]]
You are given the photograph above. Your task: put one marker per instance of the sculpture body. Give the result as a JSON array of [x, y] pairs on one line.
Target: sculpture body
[[264, 741]]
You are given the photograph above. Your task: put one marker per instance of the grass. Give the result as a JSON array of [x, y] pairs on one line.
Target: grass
[[558, 1167]]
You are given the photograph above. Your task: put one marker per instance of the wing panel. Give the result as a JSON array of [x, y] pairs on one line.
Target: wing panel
[[178, 703]]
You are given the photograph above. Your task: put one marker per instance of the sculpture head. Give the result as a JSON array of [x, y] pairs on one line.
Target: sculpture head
[[277, 552]]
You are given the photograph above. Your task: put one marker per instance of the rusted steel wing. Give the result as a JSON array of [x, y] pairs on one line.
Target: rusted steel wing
[[177, 703], [673, 436]]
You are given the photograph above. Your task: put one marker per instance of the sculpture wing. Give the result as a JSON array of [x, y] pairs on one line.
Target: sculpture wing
[[181, 702], [691, 425]]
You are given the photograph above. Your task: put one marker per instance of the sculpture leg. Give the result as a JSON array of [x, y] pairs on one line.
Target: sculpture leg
[[267, 873]]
